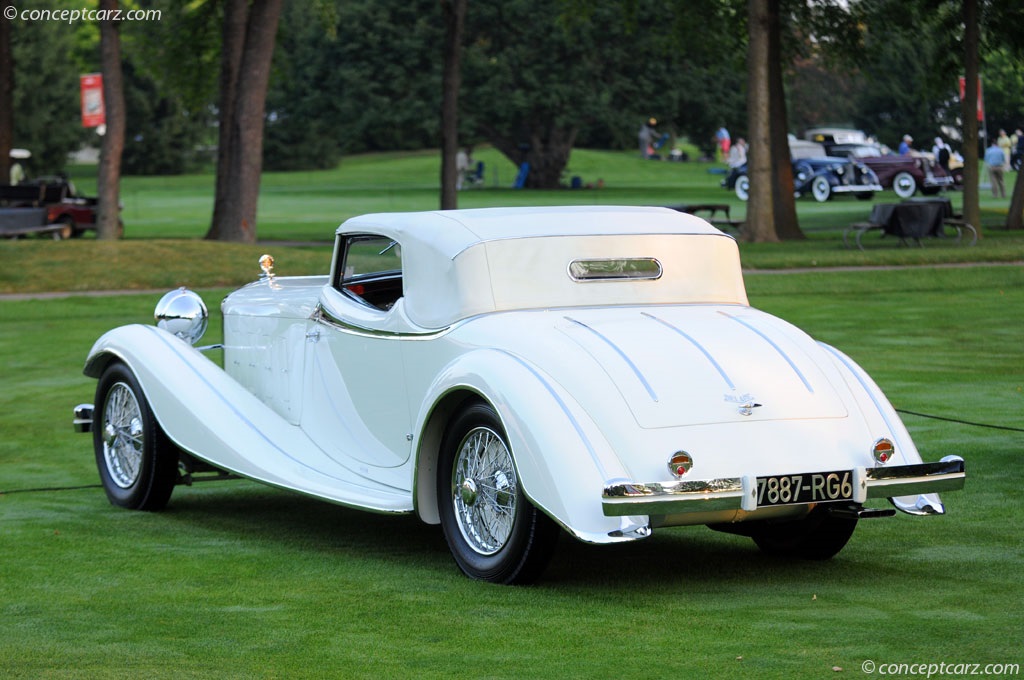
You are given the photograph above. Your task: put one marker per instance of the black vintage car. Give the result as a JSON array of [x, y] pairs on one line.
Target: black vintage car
[[816, 174]]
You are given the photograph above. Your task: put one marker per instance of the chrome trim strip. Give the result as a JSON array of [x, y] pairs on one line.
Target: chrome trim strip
[[565, 409], [870, 392], [663, 498], [321, 315], [696, 344], [774, 346], [838, 188], [622, 355]]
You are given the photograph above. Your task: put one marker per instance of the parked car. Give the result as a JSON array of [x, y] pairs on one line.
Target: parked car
[[829, 137], [45, 205], [816, 174], [512, 375], [905, 175]]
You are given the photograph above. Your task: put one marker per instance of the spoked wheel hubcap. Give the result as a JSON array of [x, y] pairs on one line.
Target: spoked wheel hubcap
[[122, 435], [484, 485]]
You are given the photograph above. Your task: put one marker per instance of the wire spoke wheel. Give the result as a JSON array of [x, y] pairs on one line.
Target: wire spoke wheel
[[122, 436], [138, 464], [493, 530], [485, 487]]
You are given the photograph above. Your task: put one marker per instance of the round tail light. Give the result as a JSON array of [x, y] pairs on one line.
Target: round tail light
[[883, 450], [680, 463]]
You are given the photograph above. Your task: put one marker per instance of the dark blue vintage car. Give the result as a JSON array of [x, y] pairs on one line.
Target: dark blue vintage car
[[816, 174]]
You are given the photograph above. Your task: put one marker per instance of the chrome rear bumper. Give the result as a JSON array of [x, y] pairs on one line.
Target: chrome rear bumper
[[740, 493]]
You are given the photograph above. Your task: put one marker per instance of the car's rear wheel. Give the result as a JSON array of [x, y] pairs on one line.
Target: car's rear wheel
[[821, 189], [904, 184], [66, 231], [493, 531], [138, 464], [818, 536], [742, 187]]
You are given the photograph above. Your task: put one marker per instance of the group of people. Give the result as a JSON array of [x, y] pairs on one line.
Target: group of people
[[998, 158], [650, 142]]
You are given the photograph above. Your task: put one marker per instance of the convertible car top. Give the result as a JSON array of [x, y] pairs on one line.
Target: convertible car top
[[514, 374]]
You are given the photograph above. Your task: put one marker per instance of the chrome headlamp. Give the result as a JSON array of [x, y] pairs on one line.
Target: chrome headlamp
[[183, 314]]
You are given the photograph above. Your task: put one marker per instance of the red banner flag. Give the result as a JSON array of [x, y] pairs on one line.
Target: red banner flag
[[93, 112], [981, 99]]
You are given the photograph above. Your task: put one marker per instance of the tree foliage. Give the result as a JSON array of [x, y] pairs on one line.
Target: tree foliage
[[539, 73], [45, 96], [170, 69]]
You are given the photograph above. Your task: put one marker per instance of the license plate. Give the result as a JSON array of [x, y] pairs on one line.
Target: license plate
[[809, 487]]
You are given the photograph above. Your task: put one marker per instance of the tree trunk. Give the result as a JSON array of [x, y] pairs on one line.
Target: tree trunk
[[454, 20], [771, 207], [6, 95], [232, 41], [108, 184], [250, 44], [1015, 218], [547, 151], [969, 113], [760, 224], [787, 227]]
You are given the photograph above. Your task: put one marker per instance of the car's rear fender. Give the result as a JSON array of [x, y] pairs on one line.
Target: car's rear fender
[[562, 459]]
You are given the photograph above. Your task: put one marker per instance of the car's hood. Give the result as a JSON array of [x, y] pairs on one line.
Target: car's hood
[[691, 365]]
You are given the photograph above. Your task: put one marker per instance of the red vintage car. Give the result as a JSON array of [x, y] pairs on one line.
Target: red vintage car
[[45, 205], [906, 175]]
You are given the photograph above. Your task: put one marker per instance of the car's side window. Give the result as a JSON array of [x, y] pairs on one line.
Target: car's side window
[[370, 270]]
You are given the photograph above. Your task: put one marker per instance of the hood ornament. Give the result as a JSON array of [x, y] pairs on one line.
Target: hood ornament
[[746, 403]]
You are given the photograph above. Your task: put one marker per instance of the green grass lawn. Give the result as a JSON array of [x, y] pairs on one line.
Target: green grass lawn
[[236, 580]]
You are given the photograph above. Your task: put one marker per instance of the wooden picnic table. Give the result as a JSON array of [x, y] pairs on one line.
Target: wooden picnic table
[[711, 210], [912, 219]]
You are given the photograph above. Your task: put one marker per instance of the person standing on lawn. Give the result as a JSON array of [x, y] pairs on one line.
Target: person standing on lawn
[[995, 161]]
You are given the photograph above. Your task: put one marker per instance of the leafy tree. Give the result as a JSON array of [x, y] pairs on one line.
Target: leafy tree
[[537, 73], [161, 134], [388, 68], [353, 77], [6, 94], [170, 86], [45, 103], [304, 125]]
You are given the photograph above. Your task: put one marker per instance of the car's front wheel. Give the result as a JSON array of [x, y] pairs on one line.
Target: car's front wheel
[[742, 187], [818, 536], [821, 189], [493, 531], [138, 464], [904, 184]]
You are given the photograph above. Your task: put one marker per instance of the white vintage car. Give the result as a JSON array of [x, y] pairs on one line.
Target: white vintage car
[[512, 374]]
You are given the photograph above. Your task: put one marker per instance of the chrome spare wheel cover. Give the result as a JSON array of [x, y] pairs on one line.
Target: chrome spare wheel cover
[[484, 491], [122, 435]]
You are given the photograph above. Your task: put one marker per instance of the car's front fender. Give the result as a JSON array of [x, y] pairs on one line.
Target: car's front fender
[[209, 414], [563, 460]]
